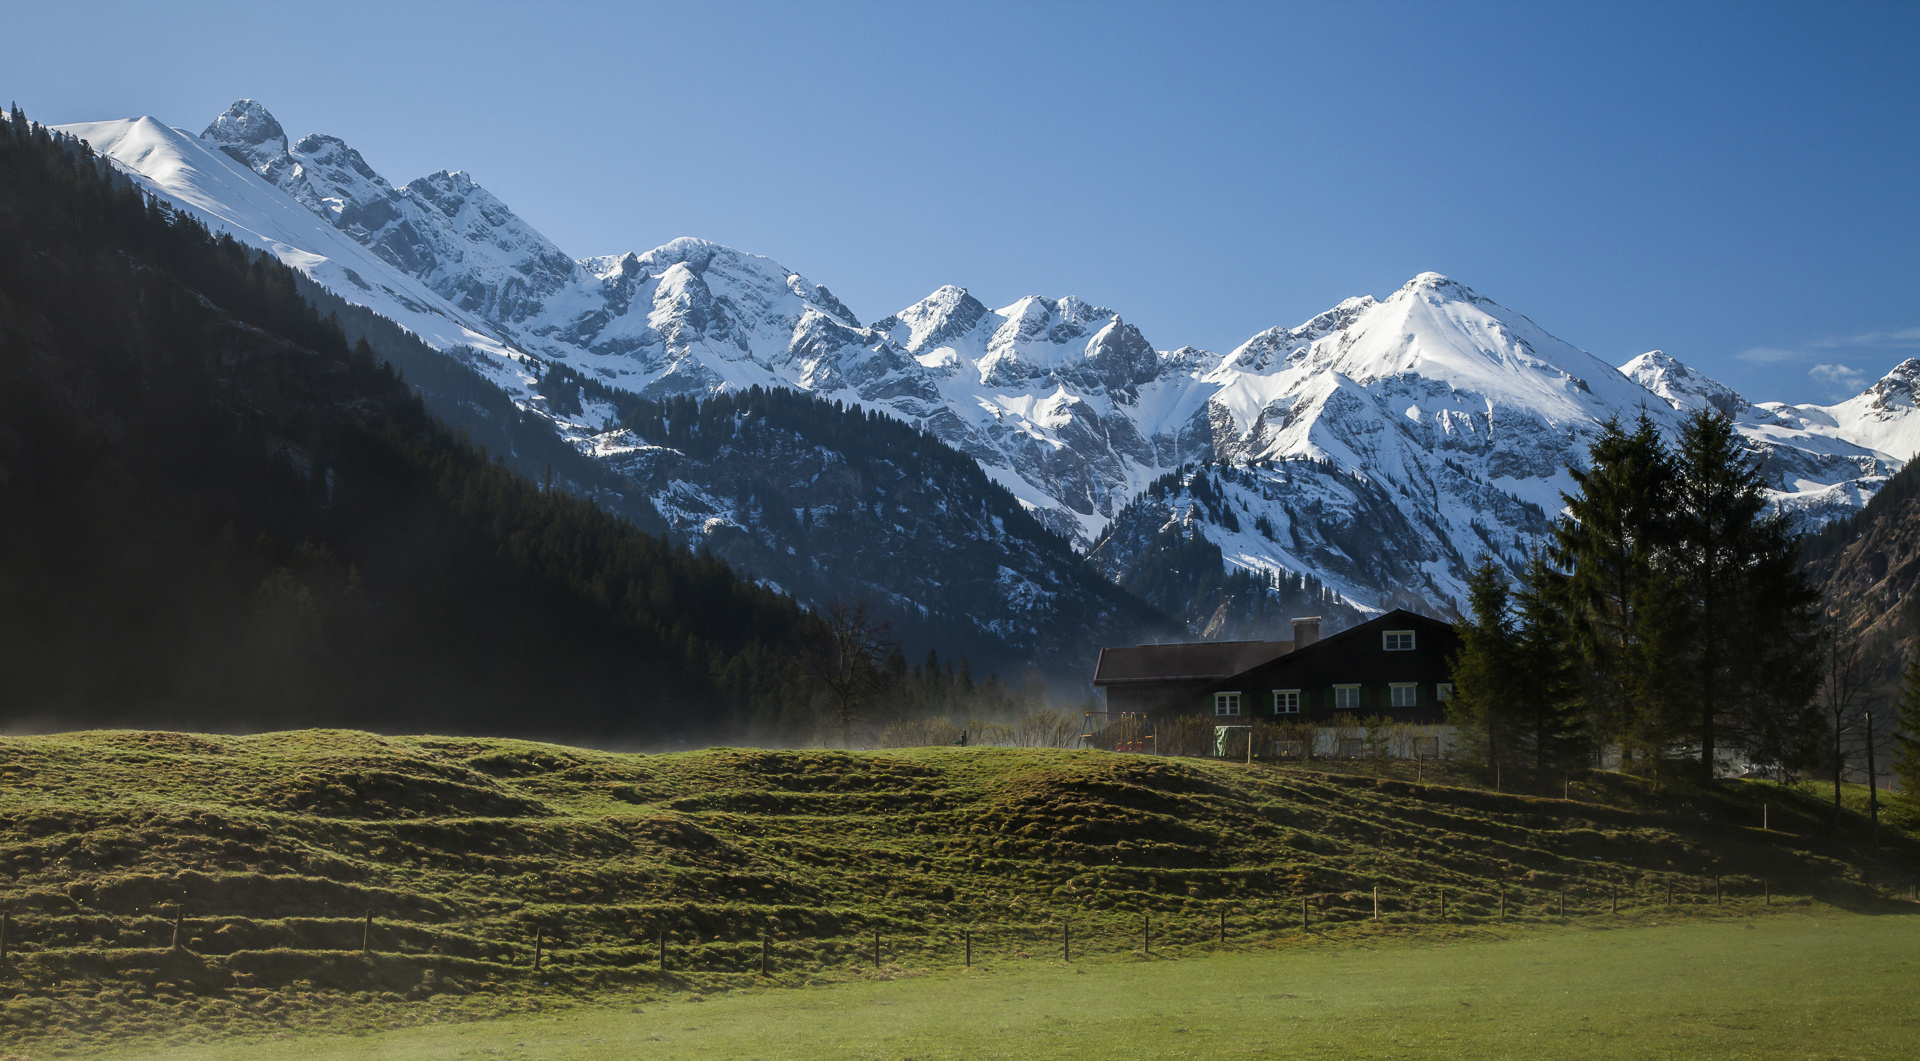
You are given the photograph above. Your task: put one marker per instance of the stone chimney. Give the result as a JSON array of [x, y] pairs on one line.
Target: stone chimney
[[1305, 632]]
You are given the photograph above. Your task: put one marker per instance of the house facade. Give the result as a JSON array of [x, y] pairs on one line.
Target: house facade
[[1397, 666], [1395, 669]]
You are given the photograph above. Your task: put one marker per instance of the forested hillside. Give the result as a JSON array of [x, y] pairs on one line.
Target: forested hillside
[[1867, 567], [829, 500], [214, 511]]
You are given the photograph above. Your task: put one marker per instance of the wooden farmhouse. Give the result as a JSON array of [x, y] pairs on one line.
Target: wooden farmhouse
[[1395, 669]]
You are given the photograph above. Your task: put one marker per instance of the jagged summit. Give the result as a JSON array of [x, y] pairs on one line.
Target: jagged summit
[[246, 122], [1682, 387], [1899, 385], [938, 319], [251, 136]]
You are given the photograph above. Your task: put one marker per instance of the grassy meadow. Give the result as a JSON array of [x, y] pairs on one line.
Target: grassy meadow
[[1824, 984], [173, 890]]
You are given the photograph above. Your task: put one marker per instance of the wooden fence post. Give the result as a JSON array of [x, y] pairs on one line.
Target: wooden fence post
[[1613, 902], [1503, 900], [764, 947], [1303, 913], [1669, 891], [539, 947], [1223, 928], [1146, 936], [969, 937], [1563, 902], [1766, 818], [366, 935], [663, 948], [1066, 941], [1376, 902], [876, 950], [1716, 889], [176, 928]]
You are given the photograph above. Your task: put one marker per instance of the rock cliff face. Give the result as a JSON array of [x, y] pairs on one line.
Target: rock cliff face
[[1378, 449]]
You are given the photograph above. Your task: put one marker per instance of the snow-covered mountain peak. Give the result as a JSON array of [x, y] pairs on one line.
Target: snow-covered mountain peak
[[1439, 287], [937, 320], [1681, 386], [1894, 391], [249, 133], [753, 283], [1442, 332]]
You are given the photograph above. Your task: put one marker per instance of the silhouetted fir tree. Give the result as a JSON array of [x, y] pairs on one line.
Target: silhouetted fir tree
[[1611, 542], [1485, 670], [1549, 717], [1748, 667]]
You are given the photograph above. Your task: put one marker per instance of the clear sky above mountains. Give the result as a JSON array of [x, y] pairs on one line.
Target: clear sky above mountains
[[1734, 184]]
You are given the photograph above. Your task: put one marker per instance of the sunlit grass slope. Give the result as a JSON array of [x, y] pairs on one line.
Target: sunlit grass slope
[[272, 850], [1826, 984]]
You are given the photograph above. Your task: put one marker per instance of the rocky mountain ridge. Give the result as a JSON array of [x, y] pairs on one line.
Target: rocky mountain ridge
[[1380, 447]]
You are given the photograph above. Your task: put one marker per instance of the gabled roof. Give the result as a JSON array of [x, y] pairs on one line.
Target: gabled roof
[[1397, 618], [1191, 661]]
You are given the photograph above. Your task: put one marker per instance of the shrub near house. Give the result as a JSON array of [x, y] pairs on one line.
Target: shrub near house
[[1376, 689]]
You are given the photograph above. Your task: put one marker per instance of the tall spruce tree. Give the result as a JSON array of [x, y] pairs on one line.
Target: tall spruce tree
[[1618, 602], [1548, 719], [1749, 665], [1484, 675]]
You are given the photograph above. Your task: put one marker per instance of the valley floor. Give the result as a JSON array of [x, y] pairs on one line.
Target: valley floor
[[1811, 982]]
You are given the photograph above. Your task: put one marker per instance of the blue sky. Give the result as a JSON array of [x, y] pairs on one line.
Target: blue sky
[[1735, 184]]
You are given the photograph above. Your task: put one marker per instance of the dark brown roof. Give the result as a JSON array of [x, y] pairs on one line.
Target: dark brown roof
[[1195, 661]]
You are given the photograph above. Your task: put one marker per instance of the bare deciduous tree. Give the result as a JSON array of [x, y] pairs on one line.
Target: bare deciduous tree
[[848, 663], [1845, 697]]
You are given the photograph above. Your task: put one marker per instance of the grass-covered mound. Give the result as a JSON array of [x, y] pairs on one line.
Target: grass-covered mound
[[272, 850]]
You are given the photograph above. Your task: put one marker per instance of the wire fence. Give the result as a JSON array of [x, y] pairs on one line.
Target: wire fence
[[660, 942]]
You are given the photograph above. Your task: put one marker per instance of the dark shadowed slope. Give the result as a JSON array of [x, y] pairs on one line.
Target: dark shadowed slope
[[214, 512]]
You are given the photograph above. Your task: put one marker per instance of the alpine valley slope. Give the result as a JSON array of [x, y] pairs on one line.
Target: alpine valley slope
[[970, 570], [1376, 450]]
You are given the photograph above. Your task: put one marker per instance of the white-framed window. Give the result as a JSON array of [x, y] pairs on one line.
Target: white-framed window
[[1226, 703], [1346, 697], [1286, 701], [1443, 692], [1405, 694], [1397, 640]]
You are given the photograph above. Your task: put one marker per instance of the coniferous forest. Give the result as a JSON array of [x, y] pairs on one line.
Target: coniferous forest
[[1668, 621], [215, 512], [219, 512]]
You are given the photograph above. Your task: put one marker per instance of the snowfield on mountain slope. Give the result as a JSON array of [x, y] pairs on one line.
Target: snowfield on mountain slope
[[1443, 420], [193, 176]]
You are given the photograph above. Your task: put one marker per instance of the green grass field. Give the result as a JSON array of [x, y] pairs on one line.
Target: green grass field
[[178, 889], [1821, 984]]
